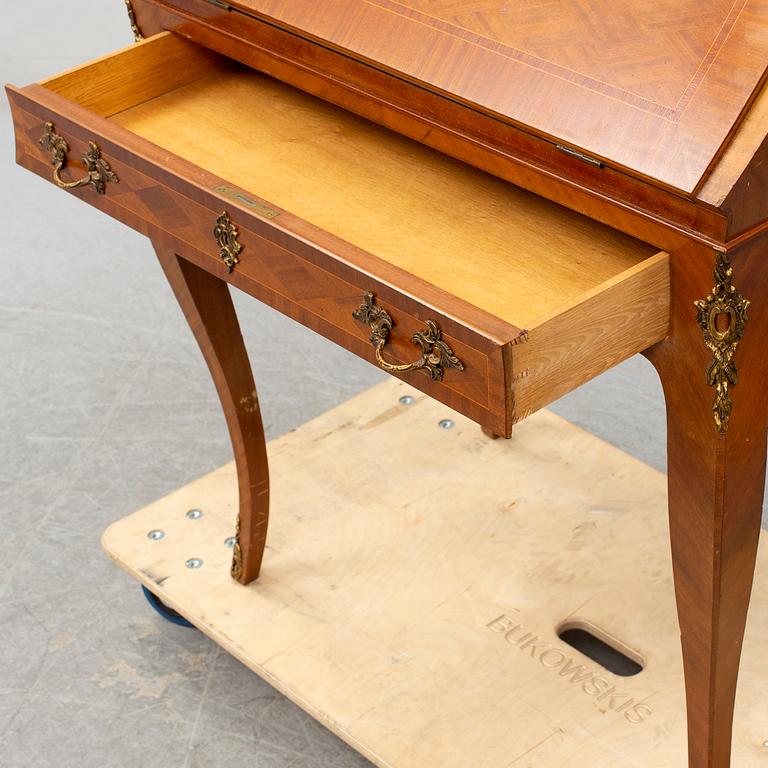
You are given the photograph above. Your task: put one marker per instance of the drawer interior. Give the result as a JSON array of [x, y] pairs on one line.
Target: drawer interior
[[498, 247]]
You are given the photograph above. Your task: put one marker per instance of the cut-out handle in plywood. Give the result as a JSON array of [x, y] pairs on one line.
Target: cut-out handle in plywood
[[602, 649]]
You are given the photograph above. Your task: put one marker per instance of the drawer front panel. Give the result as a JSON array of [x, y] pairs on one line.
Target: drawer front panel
[[279, 265]]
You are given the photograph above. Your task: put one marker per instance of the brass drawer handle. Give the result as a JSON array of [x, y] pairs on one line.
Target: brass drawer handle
[[99, 170], [436, 355]]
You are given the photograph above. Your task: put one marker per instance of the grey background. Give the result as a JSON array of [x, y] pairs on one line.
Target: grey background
[[105, 405]]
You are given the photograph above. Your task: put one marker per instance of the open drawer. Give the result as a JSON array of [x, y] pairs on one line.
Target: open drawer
[[368, 238]]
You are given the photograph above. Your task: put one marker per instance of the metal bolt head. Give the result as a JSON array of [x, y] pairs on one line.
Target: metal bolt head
[[194, 562], [230, 542], [765, 743], [406, 400], [445, 424], [195, 514], [156, 534]]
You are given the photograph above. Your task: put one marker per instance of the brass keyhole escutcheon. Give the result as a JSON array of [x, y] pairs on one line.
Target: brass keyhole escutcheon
[[226, 235]]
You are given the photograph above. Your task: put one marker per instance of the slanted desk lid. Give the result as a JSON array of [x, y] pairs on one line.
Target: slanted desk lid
[[654, 87]]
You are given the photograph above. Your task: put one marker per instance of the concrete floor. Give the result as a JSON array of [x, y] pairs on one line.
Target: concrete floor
[[107, 405]]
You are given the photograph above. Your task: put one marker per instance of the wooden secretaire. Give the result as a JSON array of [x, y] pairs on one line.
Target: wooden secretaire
[[495, 201]]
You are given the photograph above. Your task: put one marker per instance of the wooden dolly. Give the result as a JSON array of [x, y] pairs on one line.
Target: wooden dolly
[[420, 620]]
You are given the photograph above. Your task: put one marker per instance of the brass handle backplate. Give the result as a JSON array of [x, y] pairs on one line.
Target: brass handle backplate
[[436, 355], [98, 169]]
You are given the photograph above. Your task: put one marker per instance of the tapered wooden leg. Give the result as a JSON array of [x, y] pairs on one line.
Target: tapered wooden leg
[[207, 305], [716, 480]]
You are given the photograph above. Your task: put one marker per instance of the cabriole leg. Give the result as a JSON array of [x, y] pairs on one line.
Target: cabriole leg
[[715, 388], [208, 308]]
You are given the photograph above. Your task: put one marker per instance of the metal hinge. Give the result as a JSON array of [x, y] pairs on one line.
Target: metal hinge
[[581, 156], [220, 4]]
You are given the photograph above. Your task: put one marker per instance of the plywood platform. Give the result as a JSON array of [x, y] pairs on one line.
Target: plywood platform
[[415, 580]]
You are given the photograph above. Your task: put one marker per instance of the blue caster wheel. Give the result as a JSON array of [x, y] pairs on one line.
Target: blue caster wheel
[[167, 613]]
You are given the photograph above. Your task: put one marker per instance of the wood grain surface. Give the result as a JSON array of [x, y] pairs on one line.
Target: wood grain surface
[[414, 609], [134, 74], [451, 225], [633, 205], [739, 183], [655, 88], [208, 309], [502, 148], [716, 485], [583, 340]]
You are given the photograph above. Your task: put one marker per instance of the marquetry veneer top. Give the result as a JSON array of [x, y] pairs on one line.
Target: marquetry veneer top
[[657, 88]]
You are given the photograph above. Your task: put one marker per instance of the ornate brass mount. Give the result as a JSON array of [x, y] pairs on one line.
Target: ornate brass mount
[[722, 317], [436, 355], [226, 235], [137, 36], [236, 570], [99, 170]]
